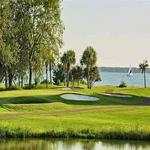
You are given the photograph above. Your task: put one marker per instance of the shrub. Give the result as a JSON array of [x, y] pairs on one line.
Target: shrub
[[13, 88], [44, 81], [122, 84], [26, 86], [40, 86], [36, 81]]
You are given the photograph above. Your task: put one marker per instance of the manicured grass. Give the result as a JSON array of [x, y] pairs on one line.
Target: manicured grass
[[53, 95], [42, 113]]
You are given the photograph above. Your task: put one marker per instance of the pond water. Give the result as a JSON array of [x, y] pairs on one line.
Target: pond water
[[71, 144]]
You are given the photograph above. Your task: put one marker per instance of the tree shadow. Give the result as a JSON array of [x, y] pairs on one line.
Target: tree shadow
[[103, 100]]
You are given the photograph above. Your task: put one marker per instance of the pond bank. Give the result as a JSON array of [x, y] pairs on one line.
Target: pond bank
[[82, 134]]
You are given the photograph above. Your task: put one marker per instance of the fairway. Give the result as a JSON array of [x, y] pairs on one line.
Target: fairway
[[43, 113]]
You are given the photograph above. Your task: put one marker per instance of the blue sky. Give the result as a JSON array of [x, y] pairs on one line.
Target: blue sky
[[119, 30]]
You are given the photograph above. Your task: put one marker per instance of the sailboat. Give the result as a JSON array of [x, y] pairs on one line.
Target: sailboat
[[130, 72]]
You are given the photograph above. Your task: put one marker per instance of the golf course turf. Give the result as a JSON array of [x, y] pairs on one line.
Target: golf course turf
[[43, 113]]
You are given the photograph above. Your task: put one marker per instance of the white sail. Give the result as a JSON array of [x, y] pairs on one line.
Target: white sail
[[130, 72]]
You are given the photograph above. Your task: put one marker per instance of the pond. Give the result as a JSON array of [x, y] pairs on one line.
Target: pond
[[72, 144]]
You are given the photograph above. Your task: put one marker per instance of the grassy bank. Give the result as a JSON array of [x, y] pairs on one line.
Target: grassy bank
[[42, 113]]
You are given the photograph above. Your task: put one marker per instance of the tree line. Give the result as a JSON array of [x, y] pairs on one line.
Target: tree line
[[30, 37], [31, 34], [66, 71]]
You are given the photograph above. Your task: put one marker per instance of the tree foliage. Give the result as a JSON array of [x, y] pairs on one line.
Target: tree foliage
[[58, 76], [30, 35], [68, 59], [143, 66], [77, 74], [88, 61]]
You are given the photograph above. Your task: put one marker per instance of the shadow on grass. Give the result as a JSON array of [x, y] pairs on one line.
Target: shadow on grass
[[103, 100]]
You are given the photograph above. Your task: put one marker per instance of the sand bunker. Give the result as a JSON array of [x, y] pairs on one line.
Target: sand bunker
[[78, 97], [118, 95]]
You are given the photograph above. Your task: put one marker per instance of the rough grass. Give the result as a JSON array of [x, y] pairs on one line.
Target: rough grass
[[42, 113], [121, 122]]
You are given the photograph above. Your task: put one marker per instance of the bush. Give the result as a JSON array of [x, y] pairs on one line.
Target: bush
[[36, 81], [44, 82], [57, 82], [26, 86], [41, 86], [13, 88], [122, 84]]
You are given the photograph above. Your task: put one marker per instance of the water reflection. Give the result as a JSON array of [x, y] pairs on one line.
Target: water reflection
[[71, 144]]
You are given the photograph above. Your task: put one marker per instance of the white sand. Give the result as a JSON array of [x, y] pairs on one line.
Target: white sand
[[119, 95], [78, 97]]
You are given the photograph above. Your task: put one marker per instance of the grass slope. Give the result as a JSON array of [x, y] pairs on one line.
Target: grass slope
[[42, 113]]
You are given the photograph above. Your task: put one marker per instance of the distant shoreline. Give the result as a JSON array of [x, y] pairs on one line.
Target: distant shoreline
[[121, 69]]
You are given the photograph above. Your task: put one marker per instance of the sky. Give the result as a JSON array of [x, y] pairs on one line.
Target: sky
[[119, 30]]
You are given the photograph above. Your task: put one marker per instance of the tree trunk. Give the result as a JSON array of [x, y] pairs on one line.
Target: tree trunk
[[50, 73], [78, 83], [10, 80], [88, 80], [90, 84], [6, 79], [30, 75], [68, 79], [144, 79], [10, 77], [46, 67], [64, 82], [21, 81], [68, 69], [72, 81]]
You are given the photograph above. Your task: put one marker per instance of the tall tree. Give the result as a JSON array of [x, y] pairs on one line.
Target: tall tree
[[49, 55], [58, 76], [26, 27], [93, 76], [68, 59], [64, 63], [54, 56], [77, 74], [143, 66], [88, 60], [40, 24], [8, 41]]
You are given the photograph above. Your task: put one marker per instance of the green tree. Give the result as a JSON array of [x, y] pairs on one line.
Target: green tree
[[58, 76], [68, 59], [40, 23], [1, 72], [143, 66], [53, 58], [88, 60], [64, 63], [77, 74], [26, 28], [50, 54], [93, 75], [8, 42]]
